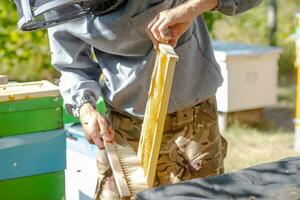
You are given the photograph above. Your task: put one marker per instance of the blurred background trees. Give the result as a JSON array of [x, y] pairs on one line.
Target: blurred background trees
[[252, 28], [25, 56]]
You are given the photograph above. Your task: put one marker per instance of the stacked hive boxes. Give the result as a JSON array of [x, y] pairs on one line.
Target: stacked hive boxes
[[32, 142]]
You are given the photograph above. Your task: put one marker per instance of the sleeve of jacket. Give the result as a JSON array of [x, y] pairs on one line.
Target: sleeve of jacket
[[233, 7], [79, 81]]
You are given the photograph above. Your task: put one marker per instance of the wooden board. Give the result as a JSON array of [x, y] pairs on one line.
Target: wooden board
[[156, 110], [252, 116], [27, 90]]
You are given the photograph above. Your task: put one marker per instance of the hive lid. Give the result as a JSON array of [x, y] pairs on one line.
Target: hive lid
[[223, 49], [28, 90]]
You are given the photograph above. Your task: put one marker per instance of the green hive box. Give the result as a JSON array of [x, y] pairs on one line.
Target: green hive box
[[29, 107], [49, 186]]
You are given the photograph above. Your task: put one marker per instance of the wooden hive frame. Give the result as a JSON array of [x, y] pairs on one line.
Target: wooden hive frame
[[156, 110]]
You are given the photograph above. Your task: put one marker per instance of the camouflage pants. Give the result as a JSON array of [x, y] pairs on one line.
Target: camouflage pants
[[192, 146]]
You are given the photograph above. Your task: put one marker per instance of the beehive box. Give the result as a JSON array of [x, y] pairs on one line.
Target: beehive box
[[81, 179], [32, 166], [50, 186], [250, 76], [32, 154], [29, 107], [81, 168], [250, 81]]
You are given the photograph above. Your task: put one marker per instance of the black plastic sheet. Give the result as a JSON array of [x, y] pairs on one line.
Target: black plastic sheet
[[272, 181]]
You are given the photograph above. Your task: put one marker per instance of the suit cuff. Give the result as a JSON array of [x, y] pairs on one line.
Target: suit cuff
[[80, 102]]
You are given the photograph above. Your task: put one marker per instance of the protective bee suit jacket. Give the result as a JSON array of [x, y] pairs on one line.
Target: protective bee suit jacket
[[126, 56]]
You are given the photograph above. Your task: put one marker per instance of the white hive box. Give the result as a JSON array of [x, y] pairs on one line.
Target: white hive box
[[250, 76], [81, 176], [81, 173]]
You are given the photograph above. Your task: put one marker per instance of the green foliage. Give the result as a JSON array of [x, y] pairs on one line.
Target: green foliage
[[249, 27], [23, 56], [211, 18]]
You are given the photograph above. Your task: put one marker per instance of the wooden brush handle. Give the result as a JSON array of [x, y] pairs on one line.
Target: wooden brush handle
[[116, 168]]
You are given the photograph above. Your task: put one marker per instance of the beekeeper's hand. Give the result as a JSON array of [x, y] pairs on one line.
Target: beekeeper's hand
[[168, 25], [95, 127]]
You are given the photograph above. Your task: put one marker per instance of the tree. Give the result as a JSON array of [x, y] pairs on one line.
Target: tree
[[23, 56]]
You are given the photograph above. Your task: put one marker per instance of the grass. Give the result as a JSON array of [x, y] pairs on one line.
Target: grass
[[287, 89], [248, 146], [271, 139]]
